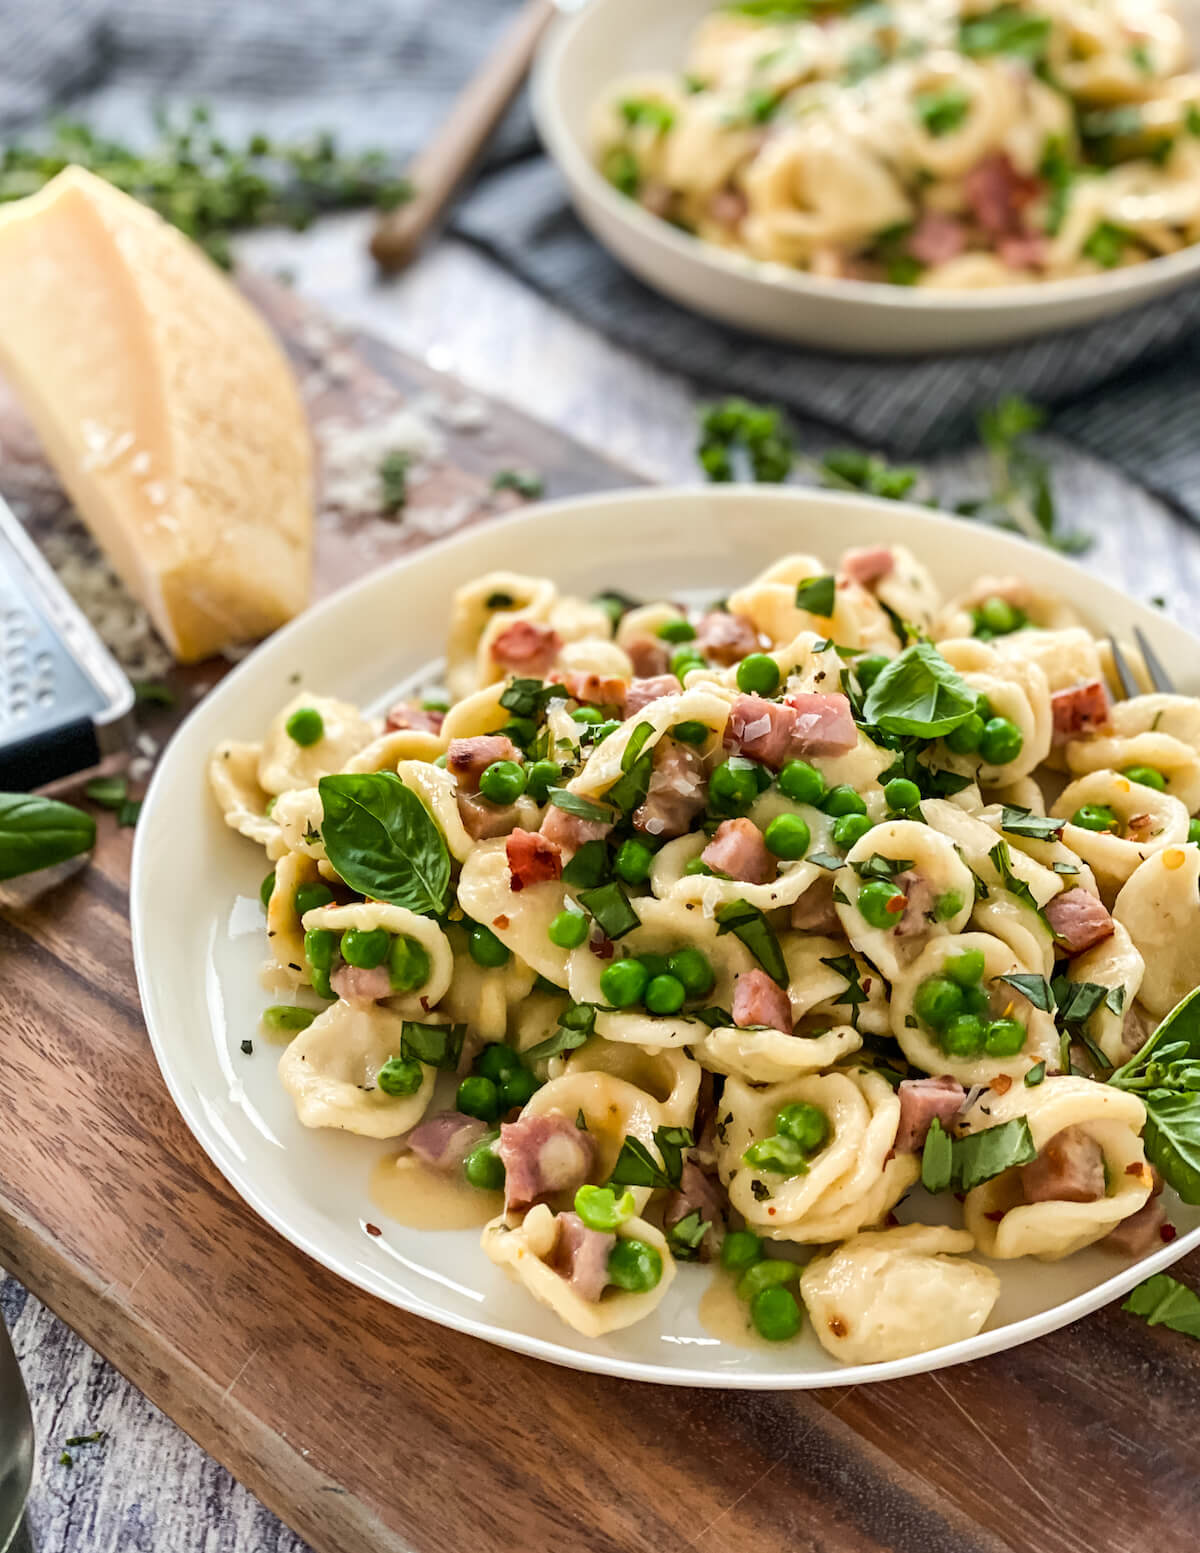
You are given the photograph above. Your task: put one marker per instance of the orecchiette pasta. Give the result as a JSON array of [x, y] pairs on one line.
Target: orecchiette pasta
[[331, 1072], [1145, 821], [1159, 908]]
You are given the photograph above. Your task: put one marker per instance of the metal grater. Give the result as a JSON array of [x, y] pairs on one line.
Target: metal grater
[[64, 702]]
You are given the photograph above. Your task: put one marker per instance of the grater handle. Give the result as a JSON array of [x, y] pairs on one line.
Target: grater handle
[[46, 756]]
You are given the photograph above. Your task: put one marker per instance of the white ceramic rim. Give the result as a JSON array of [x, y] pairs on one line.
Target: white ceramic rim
[[1018, 553]]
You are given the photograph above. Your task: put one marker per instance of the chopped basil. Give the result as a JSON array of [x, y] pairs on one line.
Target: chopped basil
[[637, 742], [750, 925], [846, 966], [1164, 1301], [826, 860], [686, 1236], [714, 1018], [631, 788], [981, 1155], [919, 693], [1001, 856], [1036, 988], [610, 908], [580, 1118], [1009, 29], [937, 1158], [589, 867], [437, 1046], [529, 697], [1064, 868], [1035, 1075], [563, 1040], [816, 595], [879, 867], [1078, 1000], [636, 1166], [1023, 822]]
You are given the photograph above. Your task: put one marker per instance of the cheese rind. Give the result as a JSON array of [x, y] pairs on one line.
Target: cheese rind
[[166, 407]]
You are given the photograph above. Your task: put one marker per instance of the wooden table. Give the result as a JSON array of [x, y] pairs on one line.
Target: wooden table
[[1073, 1443]]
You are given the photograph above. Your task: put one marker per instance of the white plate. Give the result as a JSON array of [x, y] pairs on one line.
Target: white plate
[[581, 58], [198, 927]]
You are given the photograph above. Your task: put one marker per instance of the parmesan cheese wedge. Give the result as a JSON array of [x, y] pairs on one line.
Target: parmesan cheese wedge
[[166, 407]]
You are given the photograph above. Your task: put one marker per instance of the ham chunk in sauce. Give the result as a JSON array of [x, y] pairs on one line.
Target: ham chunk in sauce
[[406, 714], [869, 565], [761, 730], [816, 911], [757, 1000], [936, 239], [1079, 710], [468, 759], [595, 689], [443, 1141], [526, 648], [675, 795], [738, 849], [922, 1102], [998, 194], [1079, 920], [483, 820], [532, 858], [580, 1255], [1069, 1169], [357, 985], [569, 831], [700, 1194], [542, 1155], [650, 658], [918, 904], [1141, 1231], [642, 692], [822, 725], [726, 639]]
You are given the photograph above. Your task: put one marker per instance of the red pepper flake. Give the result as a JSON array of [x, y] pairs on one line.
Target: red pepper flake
[[1134, 1169], [424, 1002], [373, 1229], [501, 921], [1001, 1084], [1167, 1232], [516, 884], [866, 986], [602, 946], [996, 1215], [897, 905], [770, 1212]]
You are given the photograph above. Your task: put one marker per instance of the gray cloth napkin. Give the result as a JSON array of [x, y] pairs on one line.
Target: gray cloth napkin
[[382, 72]]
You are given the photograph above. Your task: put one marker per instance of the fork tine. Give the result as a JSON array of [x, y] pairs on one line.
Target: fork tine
[[1159, 677], [1129, 685]]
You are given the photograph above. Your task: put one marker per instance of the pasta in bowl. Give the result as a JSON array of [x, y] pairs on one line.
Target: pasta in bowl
[[869, 963]]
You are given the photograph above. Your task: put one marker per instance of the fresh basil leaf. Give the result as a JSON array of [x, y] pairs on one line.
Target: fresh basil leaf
[[1115, 999], [610, 908], [826, 860], [589, 867], [630, 790], [38, 832], [581, 1120], [636, 1166], [1064, 868], [563, 1040], [1162, 1301], [529, 697], [110, 792], [1009, 29], [671, 1142], [1001, 856], [686, 1235], [437, 1046], [879, 867], [816, 595], [981, 1155], [1078, 1001], [937, 1159], [580, 1016], [748, 923], [152, 692], [919, 693], [1172, 1139], [582, 808], [1035, 1075], [382, 841], [714, 1018], [1023, 822], [637, 742], [846, 966], [1036, 988], [129, 813]]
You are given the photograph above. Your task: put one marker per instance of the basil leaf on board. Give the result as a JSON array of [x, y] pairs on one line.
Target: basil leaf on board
[[110, 792], [38, 832], [589, 866], [1162, 1301], [981, 1155], [937, 1159], [1036, 988], [582, 808], [748, 923], [816, 595], [1023, 822], [383, 842], [636, 1166], [919, 693], [437, 1046], [610, 909]]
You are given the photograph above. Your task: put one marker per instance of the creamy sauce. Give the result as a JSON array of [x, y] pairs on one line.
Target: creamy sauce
[[724, 1316], [404, 1189]]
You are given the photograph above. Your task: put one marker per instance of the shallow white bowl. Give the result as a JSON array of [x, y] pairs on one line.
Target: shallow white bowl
[[585, 53], [198, 926]]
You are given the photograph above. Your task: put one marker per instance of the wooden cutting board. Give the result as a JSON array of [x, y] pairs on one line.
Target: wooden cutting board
[[368, 1429]]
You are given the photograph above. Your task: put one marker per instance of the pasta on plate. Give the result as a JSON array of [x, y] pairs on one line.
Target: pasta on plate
[[954, 144], [679, 935]]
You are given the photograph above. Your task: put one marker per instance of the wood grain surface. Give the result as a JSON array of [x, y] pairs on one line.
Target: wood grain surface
[[369, 1429]]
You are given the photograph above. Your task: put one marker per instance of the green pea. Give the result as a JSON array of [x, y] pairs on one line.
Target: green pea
[[496, 1061], [502, 782], [305, 725], [870, 668], [766, 1274], [966, 968], [665, 995], [633, 861], [518, 1088], [408, 964], [1004, 1038], [400, 1076], [654, 964], [964, 740], [484, 1169], [684, 661], [881, 904], [677, 631], [478, 1096], [801, 782], [1146, 776], [947, 905], [285, 1018], [696, 865], [849, 829], [804, 1124], [787, 836], [442, 762], [601, 1209], [733, 786], [937, 1002], [1001, 742], [587, 714], [1095, 816], [758, 675], [320, 945], [541, 777], [740, 1249], [485, 948], [266, 889], [775, 1314], [634, 1265], [690, 967], [843, 800], [690, 732], [963, 1036], [1193, 834], [975, 1000], [623, 983], [365, 947], [521, 730], [779, 1156], [902, 794], [310, 897], [568, 929], [1000, 617]]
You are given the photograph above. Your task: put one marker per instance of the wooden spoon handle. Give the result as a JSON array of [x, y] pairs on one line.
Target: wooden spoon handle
[[438, 170]]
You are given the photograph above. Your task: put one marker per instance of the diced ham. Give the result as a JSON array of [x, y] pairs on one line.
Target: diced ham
[[569, 831], [357, 985], [1079, 710], [816, 911], [1140, 827], [526, 648], [580, 1255], [738, 849], [1079, 920], [998, 194], [657, 198], [406, 714], [824, 725], [532, 858], [444, 1139], [642, 692], [726, 638], [761, 730], [757, 1000], [922, 1101], [542, 1155], [919, 897], [1025, 251], [1141, 1232], [675, 795], [869, 565], [936, 239], [700, 1194], [468, 759], [1069, 1169], [728, 207], [651, 659], [483, 820], [596, 689]]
